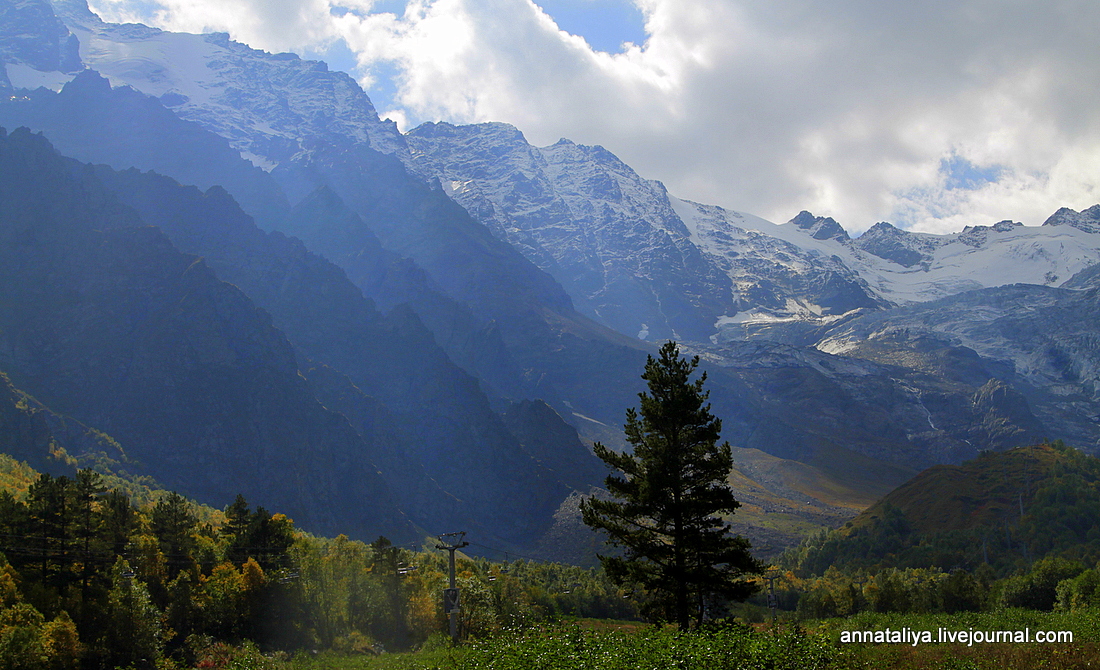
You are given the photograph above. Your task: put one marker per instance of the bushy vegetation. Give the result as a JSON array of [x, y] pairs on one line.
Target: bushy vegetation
[[816, 647], [730, 647], [90, 578], [1051, 584]]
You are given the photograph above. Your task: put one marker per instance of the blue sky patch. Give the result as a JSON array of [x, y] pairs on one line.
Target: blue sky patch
[[605, 24], [338, 56], [384, 89], [379, 7], [961, 174]]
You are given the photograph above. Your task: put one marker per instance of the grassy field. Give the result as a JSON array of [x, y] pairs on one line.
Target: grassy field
[[816, 646]]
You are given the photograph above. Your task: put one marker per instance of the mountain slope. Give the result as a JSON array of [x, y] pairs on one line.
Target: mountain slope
[[104, 320], [82, 121], [315, 129], [90, 121], [1041, 340], [431, 404], [31, 432], [606, 235], [630, 255], [1005, 509]]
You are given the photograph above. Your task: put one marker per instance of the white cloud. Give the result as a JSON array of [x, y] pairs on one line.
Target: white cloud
[[846, 108]]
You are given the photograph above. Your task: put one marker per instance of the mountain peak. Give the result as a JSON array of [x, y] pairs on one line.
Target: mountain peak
[[31, 34], [893, 244], [300, 101], [503, 133], [1087, 220], [88, 82], [820, 228]]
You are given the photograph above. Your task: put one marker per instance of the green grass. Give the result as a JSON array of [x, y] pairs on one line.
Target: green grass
[[571, 647], [422, 660], [581, 647]]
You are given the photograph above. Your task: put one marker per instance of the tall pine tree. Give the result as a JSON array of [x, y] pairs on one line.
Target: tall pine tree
[[668, 495]]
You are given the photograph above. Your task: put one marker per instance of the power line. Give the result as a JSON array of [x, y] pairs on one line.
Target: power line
[[508, 553]]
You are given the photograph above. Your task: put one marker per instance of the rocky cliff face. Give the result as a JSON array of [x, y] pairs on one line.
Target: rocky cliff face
[[610, 237], [31, 36], [1087, 220], [1037, 340], [897, 246]]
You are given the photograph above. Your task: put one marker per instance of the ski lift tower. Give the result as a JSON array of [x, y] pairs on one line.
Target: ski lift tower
[[450, 595]]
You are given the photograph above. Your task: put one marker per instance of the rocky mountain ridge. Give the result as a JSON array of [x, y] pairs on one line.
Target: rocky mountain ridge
[[655, 266]]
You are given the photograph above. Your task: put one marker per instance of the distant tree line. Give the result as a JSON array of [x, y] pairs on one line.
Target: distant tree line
[[1053, 583], [1041, 557]]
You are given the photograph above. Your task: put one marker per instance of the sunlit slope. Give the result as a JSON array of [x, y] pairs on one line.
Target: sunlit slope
[[1005, 509], [783, 501]]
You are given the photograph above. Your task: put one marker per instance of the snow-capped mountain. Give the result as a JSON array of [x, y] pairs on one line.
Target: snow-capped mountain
[[629, 254], [652, 265], [632, 256], [904, 268], [314, 130], [268, 105], [787, 284]]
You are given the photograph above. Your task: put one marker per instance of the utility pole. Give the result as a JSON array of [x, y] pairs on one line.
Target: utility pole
[[861, 581], [450, 595], [771, 575]]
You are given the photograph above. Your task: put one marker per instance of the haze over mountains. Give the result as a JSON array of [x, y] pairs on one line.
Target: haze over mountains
[[378, 332]]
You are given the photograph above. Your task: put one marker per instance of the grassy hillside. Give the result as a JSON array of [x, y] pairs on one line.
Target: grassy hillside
[[1005, 509], [994, 488], [783, 501], [16, 478]]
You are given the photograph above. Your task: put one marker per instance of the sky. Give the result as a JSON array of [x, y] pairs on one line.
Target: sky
[[930, 114]]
